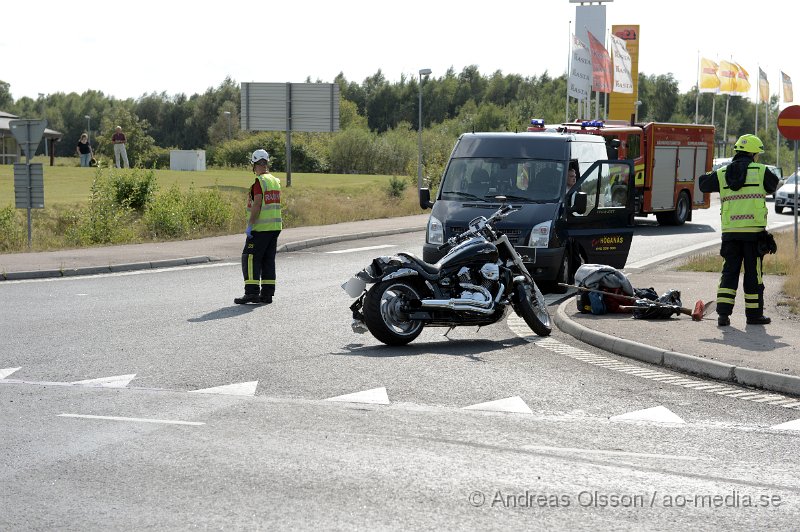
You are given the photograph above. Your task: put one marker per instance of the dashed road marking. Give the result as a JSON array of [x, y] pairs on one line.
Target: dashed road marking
[[241, 388], [521, 329], [354, 250], [514, 405], [375, 396], [134, 419]]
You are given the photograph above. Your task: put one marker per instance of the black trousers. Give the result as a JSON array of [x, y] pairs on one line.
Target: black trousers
[[741, 249], [258, 262]]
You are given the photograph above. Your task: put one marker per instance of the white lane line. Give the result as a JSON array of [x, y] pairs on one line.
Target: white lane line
[[134, 419], [118, 381], [657, 414], [6, 372], [514, 405], [241, 388], [376, 396], [354, 250], [610, 453]]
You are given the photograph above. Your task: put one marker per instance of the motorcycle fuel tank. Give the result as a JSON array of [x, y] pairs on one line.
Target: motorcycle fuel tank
[[468, 252]]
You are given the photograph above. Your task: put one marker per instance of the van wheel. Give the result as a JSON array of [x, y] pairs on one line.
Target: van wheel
[[681, 213], [778, 209], [564, 274]]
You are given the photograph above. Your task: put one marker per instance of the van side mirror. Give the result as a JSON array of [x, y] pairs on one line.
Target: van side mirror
[[425, 198], [579, 203]]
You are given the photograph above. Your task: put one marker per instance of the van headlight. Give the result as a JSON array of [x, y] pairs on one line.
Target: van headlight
[[781, 194], [540, 235], [435, 231]]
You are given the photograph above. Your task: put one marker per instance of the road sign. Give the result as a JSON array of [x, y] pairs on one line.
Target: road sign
[[789, 122], [29, 186], [28, 134]]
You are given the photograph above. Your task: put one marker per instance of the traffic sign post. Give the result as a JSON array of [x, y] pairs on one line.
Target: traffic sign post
[[28, 178], [789, 126]]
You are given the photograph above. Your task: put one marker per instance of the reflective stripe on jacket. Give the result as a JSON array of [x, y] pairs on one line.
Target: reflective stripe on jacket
[[744, 210], [269, 219]]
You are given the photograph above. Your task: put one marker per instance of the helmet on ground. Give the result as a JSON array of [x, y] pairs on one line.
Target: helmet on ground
[[750, 144], [259, 155]]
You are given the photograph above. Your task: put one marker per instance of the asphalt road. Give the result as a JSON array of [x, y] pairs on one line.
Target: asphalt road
[[417, 447]]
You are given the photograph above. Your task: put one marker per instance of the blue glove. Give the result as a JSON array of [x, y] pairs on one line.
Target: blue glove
[[249, 231]]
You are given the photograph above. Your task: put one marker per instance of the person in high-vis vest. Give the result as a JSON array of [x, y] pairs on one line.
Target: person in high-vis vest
[[743, 186], [263, 227]]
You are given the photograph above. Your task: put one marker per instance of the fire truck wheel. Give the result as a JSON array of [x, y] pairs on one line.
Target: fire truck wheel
[[679, 215]]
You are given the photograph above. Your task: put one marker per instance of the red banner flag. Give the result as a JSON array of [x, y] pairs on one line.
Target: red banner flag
[[601, 66]]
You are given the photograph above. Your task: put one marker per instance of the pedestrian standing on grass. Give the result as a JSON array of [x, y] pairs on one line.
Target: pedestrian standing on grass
[[743, 186], [119, 141], [84, 150], [264, 224]]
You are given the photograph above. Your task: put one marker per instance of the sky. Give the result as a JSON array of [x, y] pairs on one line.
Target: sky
[[129, 49]]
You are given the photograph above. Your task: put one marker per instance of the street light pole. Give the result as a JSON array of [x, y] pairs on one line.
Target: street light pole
[[423, 72], [88, 127], [228, 115], [41, 100]]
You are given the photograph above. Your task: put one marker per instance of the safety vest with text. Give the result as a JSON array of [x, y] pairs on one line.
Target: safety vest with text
[[269, 219], [744, 210]]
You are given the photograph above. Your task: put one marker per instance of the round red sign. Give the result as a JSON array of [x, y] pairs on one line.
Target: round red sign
[[789, 122]]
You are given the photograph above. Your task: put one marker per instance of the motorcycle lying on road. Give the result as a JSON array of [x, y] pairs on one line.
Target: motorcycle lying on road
[[473, 284]]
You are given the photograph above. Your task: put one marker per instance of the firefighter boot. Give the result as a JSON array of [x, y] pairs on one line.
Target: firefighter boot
[[265, 298], [247, 298], [758, 320], [723, 320]]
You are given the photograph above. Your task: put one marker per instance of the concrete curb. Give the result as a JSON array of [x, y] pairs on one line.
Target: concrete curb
[[756, 378]]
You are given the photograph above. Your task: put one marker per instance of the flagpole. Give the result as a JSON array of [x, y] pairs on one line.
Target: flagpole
[[569, 65], [778, 131], [697, 96], [725, 130], [758, 98]]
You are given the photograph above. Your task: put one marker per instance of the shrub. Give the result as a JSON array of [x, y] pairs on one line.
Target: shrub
[[13, 235], [105, 221], [396, 188], [134, 188], [176, 213], [165, 216]]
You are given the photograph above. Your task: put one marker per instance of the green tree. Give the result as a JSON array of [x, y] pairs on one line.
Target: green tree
[[140, 146]]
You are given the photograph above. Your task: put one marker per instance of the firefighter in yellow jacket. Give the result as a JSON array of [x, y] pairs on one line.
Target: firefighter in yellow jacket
[[263, 227], [743, 186]]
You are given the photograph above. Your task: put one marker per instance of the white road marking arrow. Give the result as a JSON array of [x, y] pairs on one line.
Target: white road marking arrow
[[119, 381], [511, 404], [6, 372], [789, 425], [658, 414], [241, 388], [375, 396]]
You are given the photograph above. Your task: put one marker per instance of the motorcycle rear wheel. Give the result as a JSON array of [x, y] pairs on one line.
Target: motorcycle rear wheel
[[384, 315], [530, 305]]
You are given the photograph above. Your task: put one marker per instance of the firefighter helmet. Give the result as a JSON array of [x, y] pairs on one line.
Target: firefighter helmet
[[750, 144], [259, 155]]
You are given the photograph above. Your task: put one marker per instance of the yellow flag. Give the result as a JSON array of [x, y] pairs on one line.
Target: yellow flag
[[709, 81], [763, 86], [742, 80], [787, 88], [727, 77]]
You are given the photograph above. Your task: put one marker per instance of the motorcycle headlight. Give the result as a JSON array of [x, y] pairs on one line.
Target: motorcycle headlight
[[435, 231], [540, 235]]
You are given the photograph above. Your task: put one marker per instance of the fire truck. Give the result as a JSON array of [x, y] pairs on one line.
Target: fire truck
[[667, 158]]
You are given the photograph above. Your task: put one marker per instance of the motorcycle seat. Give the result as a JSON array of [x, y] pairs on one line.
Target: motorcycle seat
[[430, 269]]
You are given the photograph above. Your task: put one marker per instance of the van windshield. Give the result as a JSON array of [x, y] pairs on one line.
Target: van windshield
[[482, 179]]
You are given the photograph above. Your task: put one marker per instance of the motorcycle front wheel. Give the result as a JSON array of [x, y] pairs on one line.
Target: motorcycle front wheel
[[384, 312], [530, 305]]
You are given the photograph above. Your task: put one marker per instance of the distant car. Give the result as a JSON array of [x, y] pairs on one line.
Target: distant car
[[784, 196], [720, 162]]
